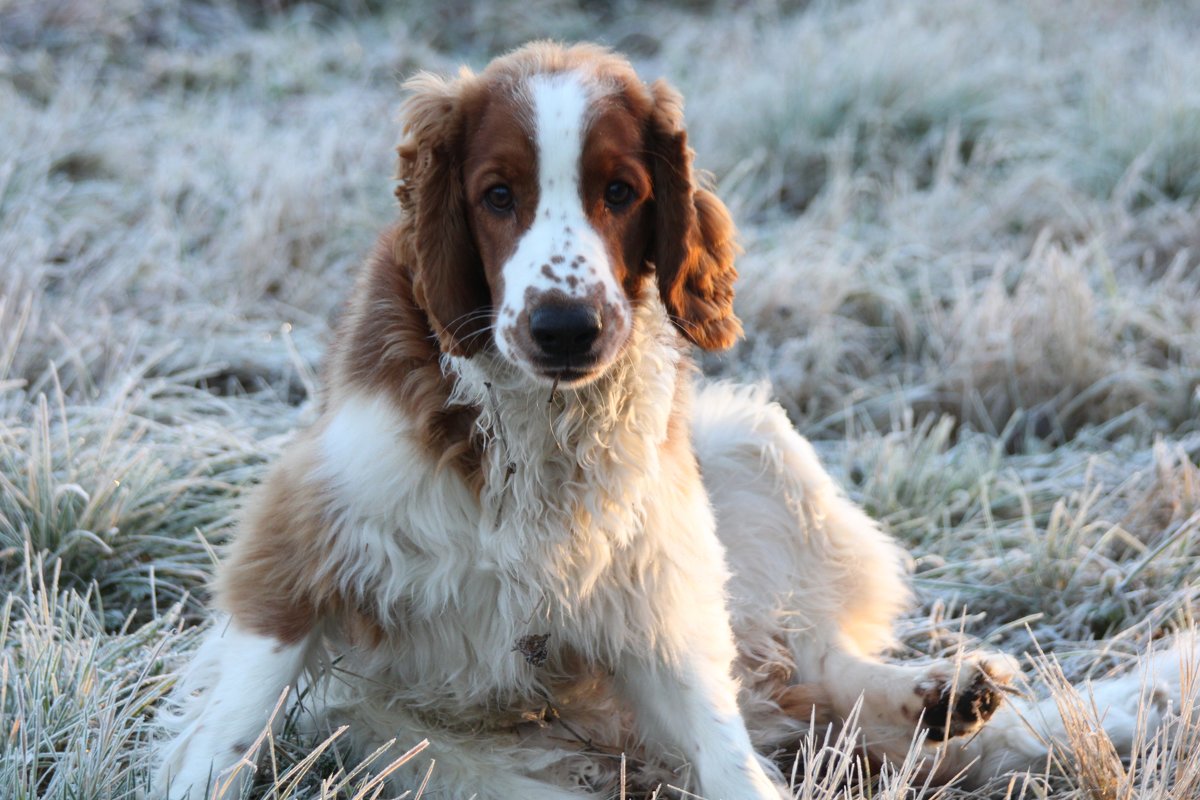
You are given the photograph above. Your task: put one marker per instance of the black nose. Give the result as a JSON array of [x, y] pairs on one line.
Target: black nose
[[565, 330]]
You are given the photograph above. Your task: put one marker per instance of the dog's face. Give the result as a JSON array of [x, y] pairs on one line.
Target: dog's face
[[545, 192], [557, 190]]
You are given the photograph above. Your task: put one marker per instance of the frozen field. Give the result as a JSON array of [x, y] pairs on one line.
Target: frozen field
[[972, 277]]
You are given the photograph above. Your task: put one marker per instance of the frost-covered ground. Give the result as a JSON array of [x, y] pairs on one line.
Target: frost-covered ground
[[972, 275]]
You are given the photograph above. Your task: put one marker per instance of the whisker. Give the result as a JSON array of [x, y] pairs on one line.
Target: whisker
[[686, 324], [458, 323], [471, 318], [487, 329]]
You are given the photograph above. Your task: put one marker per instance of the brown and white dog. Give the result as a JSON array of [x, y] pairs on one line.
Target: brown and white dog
[[520, 499]]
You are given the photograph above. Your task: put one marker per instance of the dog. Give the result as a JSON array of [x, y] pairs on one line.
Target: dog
[[525, 529]]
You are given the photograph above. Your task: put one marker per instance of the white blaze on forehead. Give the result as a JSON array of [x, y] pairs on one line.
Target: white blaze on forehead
[[560, 107], [560, 251]]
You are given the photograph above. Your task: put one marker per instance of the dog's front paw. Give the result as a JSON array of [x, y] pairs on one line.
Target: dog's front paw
[[958, 697], [191, 765]]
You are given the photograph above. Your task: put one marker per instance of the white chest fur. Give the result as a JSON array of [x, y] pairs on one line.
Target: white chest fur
[[571, 479]]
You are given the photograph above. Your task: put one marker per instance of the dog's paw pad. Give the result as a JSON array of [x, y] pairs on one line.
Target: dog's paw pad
[[958, 707]]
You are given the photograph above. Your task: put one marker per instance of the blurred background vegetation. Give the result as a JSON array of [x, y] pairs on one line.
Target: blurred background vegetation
[[972, 276]]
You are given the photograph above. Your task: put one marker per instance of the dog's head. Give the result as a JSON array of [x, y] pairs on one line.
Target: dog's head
[[543, 193]]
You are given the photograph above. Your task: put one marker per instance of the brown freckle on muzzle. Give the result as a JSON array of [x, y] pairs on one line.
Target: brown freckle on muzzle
[[614, 312], [549, 273], [557, 259]]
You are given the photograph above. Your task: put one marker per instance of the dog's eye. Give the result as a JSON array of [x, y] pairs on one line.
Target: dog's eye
[[499, 198], [618, 194]]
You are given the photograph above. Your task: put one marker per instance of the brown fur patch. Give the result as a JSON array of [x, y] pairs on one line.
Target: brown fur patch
[[385, 342], [269, 580], [498, 149], [694, 235], [804, 703], [447, 278], [277, 579], [614, 151]]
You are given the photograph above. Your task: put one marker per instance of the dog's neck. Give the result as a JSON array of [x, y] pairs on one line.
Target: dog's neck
[[573, 457]]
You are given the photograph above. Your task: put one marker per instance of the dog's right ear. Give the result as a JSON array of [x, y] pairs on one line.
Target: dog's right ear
[[448, 282]]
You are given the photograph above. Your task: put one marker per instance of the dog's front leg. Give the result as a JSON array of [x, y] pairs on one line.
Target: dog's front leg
[[223, 704], [690, 702]]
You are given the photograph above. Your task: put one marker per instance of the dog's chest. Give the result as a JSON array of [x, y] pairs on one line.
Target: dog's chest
[[485, 629], [484, 592], [480, 596]]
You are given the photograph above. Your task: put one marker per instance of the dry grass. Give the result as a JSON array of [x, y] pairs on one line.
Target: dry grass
[[972, 276]]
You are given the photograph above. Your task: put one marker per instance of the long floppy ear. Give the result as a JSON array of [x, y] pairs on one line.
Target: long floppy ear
[[694, 237], [449, 282]]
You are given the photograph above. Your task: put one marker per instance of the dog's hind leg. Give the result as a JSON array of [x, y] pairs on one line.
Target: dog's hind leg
[[816, 586], [800, 553]]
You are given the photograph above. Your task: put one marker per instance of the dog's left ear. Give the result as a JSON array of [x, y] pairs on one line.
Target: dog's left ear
[[694, 236]]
